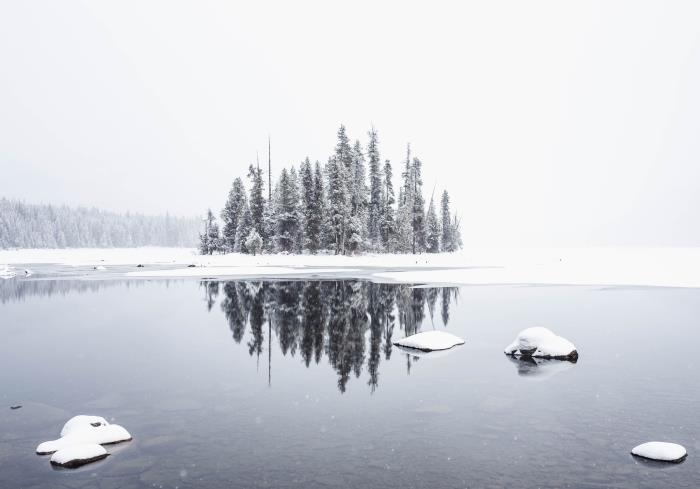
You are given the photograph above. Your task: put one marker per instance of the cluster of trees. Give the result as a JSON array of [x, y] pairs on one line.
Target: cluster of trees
[[351, 322], [347, 206], [46, 226]]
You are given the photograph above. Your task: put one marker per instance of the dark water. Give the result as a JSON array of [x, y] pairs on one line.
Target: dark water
[[296, 384]]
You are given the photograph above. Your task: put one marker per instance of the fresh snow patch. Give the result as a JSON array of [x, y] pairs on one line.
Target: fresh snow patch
[[102, 435], [430, 341], [541, 343], [77, 455], [658, 450], [82, 421]]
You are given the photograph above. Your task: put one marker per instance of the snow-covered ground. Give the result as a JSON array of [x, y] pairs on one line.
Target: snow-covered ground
[[669, 267]]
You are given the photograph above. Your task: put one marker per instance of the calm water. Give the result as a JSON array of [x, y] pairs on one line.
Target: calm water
[[296, 384]]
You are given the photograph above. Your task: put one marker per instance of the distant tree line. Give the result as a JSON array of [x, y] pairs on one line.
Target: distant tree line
[[346, 206], [47, 226]]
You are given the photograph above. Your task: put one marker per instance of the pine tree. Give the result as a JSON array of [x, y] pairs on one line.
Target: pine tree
[[231, 214], [446, 221], [404, 227], [245, 225], [418, 215], [254, 242], [257, 200], [312, 195], [388, 225], [432, 226], [357, 224], [287, 217], [295, 187], [210, 241], [375, 214]]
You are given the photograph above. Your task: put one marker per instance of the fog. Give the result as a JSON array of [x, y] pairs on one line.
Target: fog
[[550, 123]]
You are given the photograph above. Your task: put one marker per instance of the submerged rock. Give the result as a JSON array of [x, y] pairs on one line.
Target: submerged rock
[[540, 342], [661, 451], [77, 455], [430, 341]]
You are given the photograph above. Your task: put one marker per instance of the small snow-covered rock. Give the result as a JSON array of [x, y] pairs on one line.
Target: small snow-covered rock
[[541, 343], [430, 341], [101, 435], [77, 455], [662, 451], [82, 421], [99, 267]]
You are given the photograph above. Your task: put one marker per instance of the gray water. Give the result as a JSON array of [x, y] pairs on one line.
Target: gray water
[[296, 384]]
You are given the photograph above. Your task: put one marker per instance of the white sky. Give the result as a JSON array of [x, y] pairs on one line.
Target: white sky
[[551, 123]]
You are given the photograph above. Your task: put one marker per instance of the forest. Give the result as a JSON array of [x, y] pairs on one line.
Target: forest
[[346, 206], [46, 226]]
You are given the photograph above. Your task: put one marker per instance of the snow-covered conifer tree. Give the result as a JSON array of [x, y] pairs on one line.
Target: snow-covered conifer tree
[[231, 214]]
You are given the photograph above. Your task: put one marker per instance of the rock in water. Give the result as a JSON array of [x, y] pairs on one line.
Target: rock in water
[[82, 421], [540, 342], [430, 341], [662, 451], [77, 455], [101, 435]]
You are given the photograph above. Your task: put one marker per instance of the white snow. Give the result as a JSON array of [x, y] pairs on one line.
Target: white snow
[[658, 450], [82, 421], [76, 455], [100, 267], [543, 341], [430, 341], [668, 267], [101, 435]]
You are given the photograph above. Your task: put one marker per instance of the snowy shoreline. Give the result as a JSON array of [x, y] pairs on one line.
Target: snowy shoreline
[[662, 267]]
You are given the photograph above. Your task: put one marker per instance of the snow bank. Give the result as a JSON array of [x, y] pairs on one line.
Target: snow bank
[[541, 343], [101, 435], [430, 341], [82, 421], [657, 450], [667, 267], [77, 455]]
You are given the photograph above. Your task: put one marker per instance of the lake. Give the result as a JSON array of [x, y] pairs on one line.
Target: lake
[[296, 384]]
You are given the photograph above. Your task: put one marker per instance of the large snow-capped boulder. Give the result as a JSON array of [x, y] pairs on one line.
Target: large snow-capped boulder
[[540, 342], [661, 451], [77, 455], [430, 341], [82, 421], [101, 435]]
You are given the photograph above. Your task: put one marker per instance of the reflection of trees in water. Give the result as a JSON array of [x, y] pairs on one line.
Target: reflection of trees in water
[[17, 289], [337, 318]]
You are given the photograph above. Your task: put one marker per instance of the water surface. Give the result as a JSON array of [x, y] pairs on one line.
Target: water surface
[[296, 384]]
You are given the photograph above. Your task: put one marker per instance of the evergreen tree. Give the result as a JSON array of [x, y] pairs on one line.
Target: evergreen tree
[[287, 217], [418, 216], [257, 199], [405, 225], [254, 242], [210, 241], [432, 227], [375, 212], [295, 186], [245, 225], [312, 198], [388, 225], [339, 204], [446, 221], [357, 229], [231, 214]]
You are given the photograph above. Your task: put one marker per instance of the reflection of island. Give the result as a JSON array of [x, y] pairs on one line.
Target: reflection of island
[[314, 318], [539, 368]]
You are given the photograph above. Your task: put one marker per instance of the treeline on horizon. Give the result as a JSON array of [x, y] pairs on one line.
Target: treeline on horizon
[[346, 206], [47, 226]]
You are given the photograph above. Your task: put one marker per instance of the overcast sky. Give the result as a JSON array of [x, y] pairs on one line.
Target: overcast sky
[[551, 123]]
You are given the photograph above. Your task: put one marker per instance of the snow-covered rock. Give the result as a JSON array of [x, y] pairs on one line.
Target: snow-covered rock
[[82, 421], [101, 435], [99, 267], [430, 341], [540, 342], [662, 451], [77, 455]]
